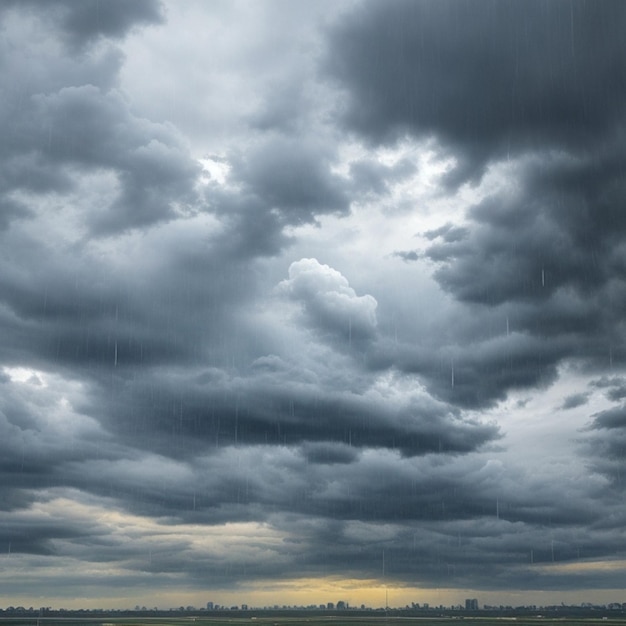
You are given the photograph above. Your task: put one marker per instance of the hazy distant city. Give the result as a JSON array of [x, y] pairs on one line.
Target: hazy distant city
[[468, 606]]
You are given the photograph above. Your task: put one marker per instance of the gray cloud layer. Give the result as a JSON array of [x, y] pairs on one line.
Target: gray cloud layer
[[157, 365]]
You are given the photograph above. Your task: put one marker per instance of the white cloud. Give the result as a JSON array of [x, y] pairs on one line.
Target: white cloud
[[330, 304]]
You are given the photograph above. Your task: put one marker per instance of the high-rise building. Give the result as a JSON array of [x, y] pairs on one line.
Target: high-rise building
[[471, 604]]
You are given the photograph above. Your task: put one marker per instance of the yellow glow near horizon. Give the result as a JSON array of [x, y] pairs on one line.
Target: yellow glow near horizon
[[314, 591], [584, 566], [374, 593]]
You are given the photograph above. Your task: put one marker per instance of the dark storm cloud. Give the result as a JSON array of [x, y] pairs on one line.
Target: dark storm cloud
[[448, 233], [478, 372], [283, 181], [246, 483], [26, 532], [604, 443], [66, 113], [76, 310], [615, 386], [111, 19], [374, 177], [73, 141], [292, 176], [329, 453], [561, 232], [39, 436], [408, 255], [277, 183], [575, 400], [457, 527], [93, 130], [545, 259], [610, 419], [525, 81], [77, 307], [83, 22], [253, 229], [485, 79], [428, 518], [166, 412]]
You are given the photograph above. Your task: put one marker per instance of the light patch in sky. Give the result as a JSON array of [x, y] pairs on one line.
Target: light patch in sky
[[216, 170], [26, 375]]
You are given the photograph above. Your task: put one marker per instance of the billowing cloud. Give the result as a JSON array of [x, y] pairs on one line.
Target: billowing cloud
[[292, 177], [329, 303]]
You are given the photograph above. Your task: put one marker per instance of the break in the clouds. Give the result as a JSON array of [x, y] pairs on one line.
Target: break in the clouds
[[346, 282]]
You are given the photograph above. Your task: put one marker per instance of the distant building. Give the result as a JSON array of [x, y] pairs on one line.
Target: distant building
[[209, 606], [471, 604], [330, 606]]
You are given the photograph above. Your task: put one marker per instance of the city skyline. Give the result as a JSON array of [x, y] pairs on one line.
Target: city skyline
[[468, 605], [312, 300]]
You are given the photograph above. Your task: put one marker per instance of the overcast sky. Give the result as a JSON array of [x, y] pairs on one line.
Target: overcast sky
[[306, 301]]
